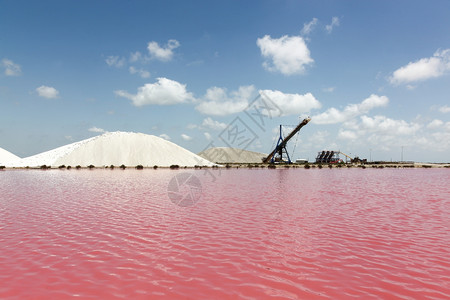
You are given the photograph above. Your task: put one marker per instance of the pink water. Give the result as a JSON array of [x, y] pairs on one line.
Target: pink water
[[252, 234]]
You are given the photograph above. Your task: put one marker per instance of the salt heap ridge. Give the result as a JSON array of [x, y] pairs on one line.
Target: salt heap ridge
[[117, 148], [222, 155], [7, 158]]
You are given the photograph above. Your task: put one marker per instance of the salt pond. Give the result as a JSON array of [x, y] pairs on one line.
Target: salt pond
[[249, 233]]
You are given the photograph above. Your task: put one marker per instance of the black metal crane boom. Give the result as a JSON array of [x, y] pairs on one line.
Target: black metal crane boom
[[279, 148]]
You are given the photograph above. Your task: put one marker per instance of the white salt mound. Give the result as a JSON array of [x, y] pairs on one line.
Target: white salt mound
[[222, 155], [117, 148], [7, 159]]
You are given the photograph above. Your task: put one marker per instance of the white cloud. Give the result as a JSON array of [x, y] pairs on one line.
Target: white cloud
[[423, 69], [165, 136], [218, 102], [47, 92], [308, 27], [208, 123], [135, 57], [333, 115], [164, 92], [292, 104], [447, 126], [435, 124], [334, 23], [440, 141], [11, 68], [96, 129], [388, 127], [387, 133], [329, 89], [162, 53], [321, 139], [212, 124], [381, 132], [288, 55], [186, 137], [444, 109], [115, 61], [347, 134], [207, 136], [141, 72]]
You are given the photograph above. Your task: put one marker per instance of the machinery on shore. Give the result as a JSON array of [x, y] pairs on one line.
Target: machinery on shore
[[328, 157], [332, 157], [278, 154]]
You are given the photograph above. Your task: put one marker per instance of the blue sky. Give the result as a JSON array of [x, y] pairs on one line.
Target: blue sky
[[373, 75]]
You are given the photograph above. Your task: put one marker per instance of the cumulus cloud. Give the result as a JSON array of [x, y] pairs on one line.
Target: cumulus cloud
[[387, 134], [444, 109], [381, 131], [11, 68], [115, 61], [47, 92], [334, 23], [347, 135], [333, 115], [162, 53], [96, 129], [207, 136], [163, 92], [208, 123], [308, 27], [387, 126], [140, 72], [186, 137], [435, 124], [292, 104], [447, 126], [423, 69], [212, 124], [288, 55], [321, 139], [165, 136], [439, 141], [219, 102]]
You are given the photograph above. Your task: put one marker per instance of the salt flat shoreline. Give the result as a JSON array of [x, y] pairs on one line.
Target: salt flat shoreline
[[138, 150], [393, 165]]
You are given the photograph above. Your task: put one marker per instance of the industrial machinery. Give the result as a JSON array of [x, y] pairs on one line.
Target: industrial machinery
[[328, 157], [332, 157], [346, 156], [280, 150]]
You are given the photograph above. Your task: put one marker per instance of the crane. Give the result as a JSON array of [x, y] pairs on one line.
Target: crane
[[281, 144]]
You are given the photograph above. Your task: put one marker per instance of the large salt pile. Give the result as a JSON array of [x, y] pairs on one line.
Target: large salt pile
[[7, 159], [117, 148], [223, 155]]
